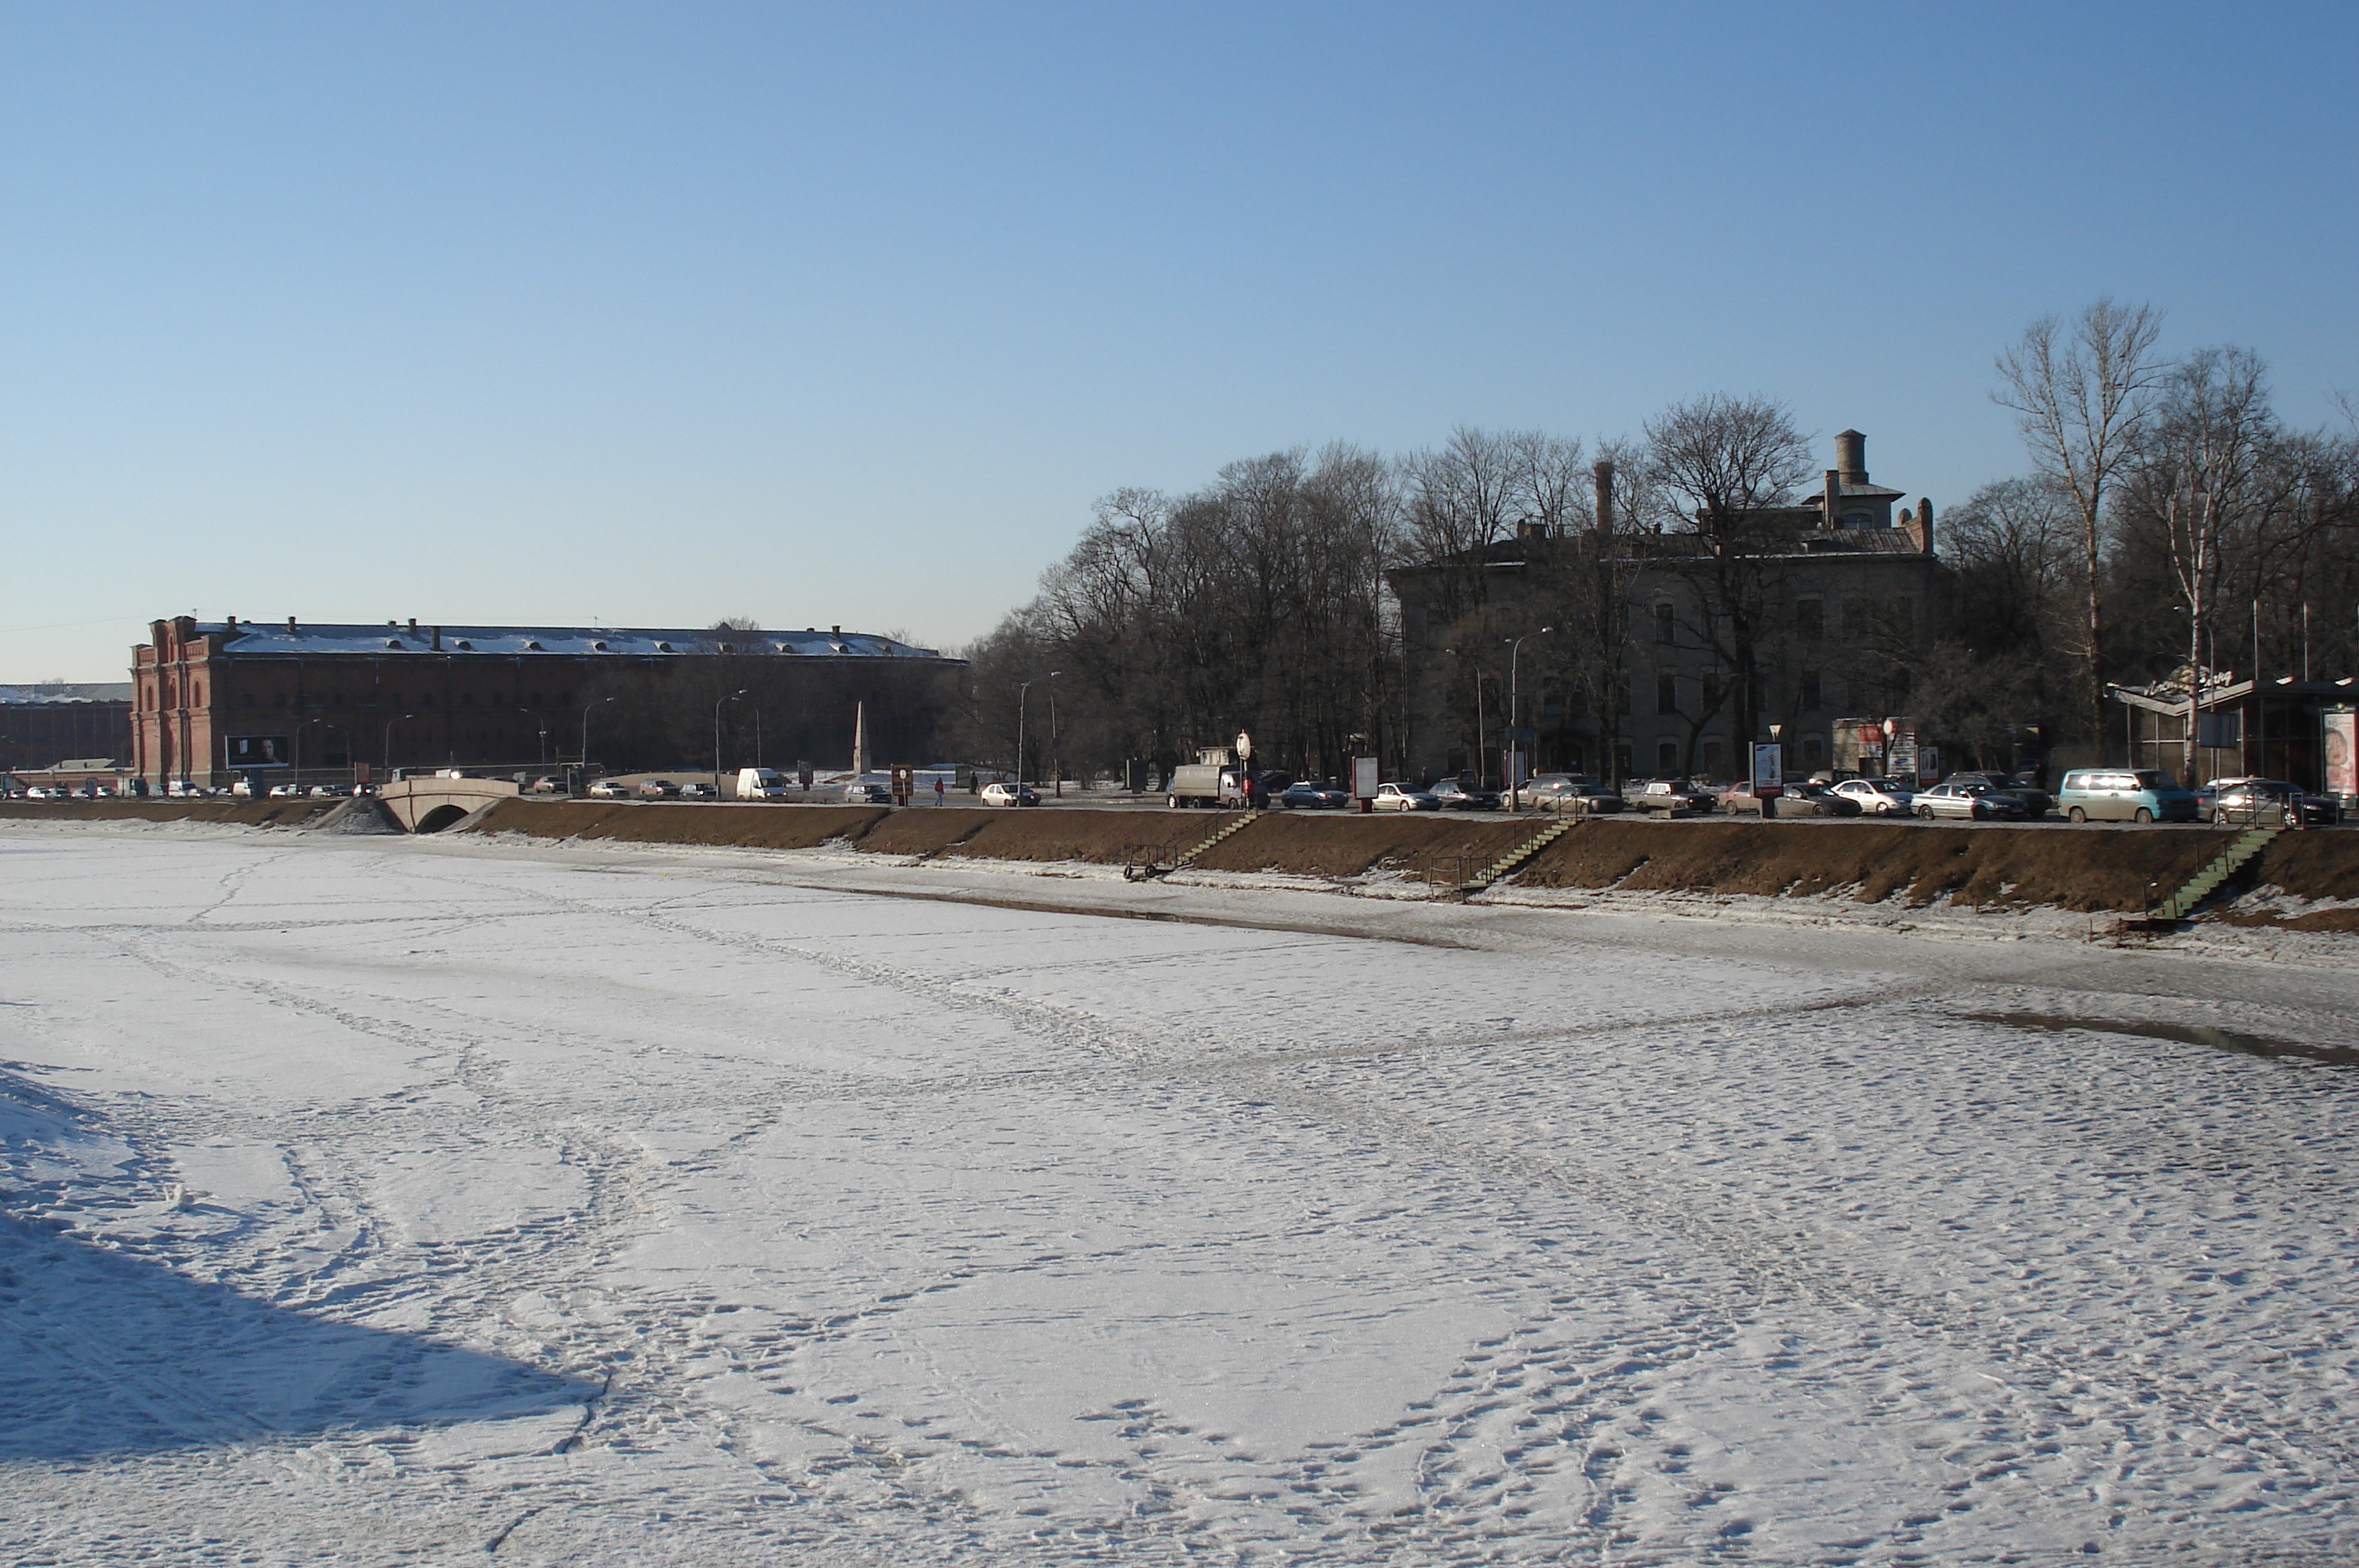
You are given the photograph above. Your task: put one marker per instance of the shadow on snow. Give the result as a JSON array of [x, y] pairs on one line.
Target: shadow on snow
[[104, 1352]]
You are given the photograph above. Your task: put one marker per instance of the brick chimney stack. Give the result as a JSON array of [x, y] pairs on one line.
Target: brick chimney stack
[[1602, 474]]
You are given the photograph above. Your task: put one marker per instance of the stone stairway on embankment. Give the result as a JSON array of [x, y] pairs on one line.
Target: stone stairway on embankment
[[2200, 887]]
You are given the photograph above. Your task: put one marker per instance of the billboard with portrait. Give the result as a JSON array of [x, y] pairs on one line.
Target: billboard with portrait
[[2342, 751], [258, 751]]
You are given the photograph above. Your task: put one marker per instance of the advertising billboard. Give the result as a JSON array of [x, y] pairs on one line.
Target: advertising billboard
[[258, 751], [1768, 769], [2342, 740]]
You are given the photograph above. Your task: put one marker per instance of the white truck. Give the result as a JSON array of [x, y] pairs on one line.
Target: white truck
[[1203, 784], [763, 784]]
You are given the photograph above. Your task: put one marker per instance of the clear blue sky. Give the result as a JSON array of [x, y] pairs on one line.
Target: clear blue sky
[[844, 314]]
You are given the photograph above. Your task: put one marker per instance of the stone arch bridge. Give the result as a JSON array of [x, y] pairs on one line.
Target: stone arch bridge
[[429, 805]]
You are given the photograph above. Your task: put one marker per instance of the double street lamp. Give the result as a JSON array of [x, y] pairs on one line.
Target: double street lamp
[[1023, 689]]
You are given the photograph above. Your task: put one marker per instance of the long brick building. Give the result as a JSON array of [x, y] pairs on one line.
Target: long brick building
[[214, 700]]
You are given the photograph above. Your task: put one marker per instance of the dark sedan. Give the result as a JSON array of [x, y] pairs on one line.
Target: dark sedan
[[1585, 796], [2272, 802], [1313, 795], [1672, 796], [2037, 802], [1457, 795]]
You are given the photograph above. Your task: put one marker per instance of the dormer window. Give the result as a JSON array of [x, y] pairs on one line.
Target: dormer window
[[462, 642], [663, 647], [534, 647], [1859, 520], [600, 648], [393, 642]]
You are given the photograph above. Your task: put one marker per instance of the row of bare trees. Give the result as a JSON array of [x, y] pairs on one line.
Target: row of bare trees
[[2173, 524], [2175, 529], [1261, 601]]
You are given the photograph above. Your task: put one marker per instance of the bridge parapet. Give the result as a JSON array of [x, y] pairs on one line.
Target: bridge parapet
[[429, 805]]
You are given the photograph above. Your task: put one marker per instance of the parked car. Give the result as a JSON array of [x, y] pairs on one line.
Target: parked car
[[610, 789], [548, 784], [870, 792], [1973, 798], [45, 792], [2126, 795], [2271, 802], [1404, 798], [1459, 796], [1009, 795], [1670, 797], [1314, 795], [1817, 800], [699, 790], [2037, 802], [1570, 792], [1793, 800], [659, 790], [1875, 796]]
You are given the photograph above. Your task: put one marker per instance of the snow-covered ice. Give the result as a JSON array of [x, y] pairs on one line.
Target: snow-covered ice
[[380, 1201]]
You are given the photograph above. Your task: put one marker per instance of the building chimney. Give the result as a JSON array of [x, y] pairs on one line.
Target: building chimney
[[1851, 457], [837, 630], [1924, 527], [437, 639], [1602, 476], [290, 626], [413, 622], [232, 625], [1832, 502]]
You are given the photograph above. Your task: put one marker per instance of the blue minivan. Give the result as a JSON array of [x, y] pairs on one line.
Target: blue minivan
[[2125, 795]]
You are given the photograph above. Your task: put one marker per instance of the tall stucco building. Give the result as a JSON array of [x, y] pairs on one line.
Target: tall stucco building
[[1828, 599]]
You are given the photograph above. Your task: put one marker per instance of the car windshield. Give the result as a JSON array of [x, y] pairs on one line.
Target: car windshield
[[2154, 778]]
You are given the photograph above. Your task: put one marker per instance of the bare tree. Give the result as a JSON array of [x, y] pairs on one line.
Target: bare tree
[[1734, 466], [2081, 392]]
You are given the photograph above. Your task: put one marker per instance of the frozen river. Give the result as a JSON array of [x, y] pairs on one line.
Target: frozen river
[[385, 1200]]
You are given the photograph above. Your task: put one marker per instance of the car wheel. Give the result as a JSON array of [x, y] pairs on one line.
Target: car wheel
[[2292, 817], [2143, 815], [1924, 813], [2078, 815]]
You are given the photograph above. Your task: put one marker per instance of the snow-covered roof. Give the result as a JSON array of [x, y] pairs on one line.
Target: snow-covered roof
[[66, 691], [249, 639]]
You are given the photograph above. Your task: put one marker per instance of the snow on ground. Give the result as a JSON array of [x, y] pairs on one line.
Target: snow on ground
[[380, 1201]]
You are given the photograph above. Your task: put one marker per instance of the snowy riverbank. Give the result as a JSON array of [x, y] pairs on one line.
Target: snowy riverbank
[[410, 1199]]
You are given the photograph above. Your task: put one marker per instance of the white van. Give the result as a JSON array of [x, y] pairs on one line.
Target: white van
[[763, 784]]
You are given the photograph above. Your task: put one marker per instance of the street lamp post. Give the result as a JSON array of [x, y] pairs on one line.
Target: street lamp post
[[543, 722], [1023, 689], [583, 765], [1479, 725], [388, 740], [1514, 778], [1056, 755], [726, 697]]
